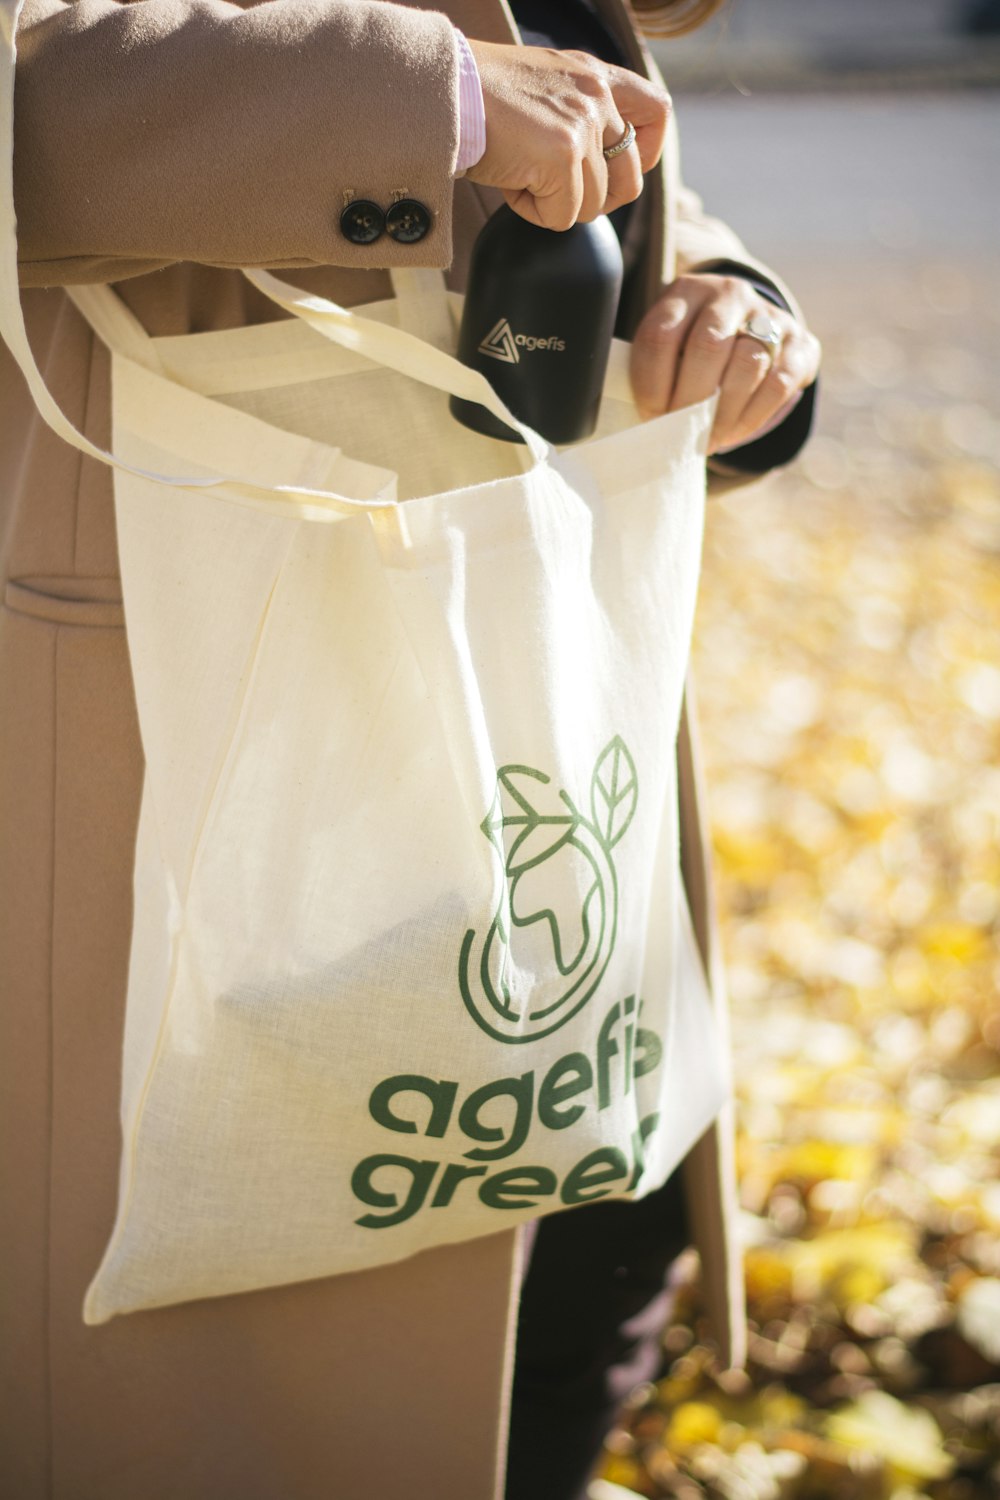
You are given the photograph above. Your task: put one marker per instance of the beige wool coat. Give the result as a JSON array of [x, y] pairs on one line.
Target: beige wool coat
[[160, 144]]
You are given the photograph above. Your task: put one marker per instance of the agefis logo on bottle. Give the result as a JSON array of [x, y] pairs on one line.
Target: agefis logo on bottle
[[504, 344]]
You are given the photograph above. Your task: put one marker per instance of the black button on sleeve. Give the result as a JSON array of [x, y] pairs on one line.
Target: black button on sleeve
[[407, 221], [362, 222]]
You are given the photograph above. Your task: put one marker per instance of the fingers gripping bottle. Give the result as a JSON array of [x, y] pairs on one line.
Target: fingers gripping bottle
[[539, 315]]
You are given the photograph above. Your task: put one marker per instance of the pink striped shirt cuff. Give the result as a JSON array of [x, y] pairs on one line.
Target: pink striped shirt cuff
[[472, 110]]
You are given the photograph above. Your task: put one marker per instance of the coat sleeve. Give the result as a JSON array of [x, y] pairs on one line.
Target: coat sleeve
[[229, 134]]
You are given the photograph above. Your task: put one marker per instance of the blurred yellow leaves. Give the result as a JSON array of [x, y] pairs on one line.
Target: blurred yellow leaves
[[845, 1265], [959, 942], [848, 672], [908, 1439], [979, 1315], [691, 1423]]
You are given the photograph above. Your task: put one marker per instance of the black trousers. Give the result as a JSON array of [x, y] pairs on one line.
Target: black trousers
[[593, 1307]]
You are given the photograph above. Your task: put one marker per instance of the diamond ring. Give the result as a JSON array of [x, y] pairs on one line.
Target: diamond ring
[[627, 140]]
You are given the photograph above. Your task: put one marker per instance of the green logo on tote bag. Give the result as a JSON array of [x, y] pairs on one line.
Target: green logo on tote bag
[[527, 838]]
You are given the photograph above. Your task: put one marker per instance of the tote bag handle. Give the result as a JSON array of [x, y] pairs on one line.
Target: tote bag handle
[[115, 325], [394, 348]]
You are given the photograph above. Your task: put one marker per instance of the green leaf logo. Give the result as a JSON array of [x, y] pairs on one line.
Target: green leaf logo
[[539, 834], [614, 792], [533, 827]]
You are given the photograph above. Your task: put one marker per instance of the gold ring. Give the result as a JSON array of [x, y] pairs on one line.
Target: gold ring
[[627, 140]]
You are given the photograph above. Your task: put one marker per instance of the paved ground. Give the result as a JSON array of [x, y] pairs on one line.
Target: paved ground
[[852, 194], [835, 43], [883, 213], [850, 180]]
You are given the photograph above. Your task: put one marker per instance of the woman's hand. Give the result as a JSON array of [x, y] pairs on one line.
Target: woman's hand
[[689, 344], [549, 117]]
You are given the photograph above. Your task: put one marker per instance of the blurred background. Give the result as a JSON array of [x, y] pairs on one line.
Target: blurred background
[[848, 672]]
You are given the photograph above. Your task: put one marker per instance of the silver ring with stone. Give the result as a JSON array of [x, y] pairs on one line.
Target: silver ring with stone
[[627, 140], [764, 329]]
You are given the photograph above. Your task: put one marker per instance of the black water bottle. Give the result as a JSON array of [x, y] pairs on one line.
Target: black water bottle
[[539, 315]]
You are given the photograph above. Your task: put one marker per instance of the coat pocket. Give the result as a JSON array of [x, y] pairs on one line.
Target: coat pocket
[[93, 602], [70, 783]]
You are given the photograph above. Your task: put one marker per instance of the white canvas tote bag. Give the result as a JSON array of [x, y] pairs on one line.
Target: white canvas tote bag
[[411, 960]]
